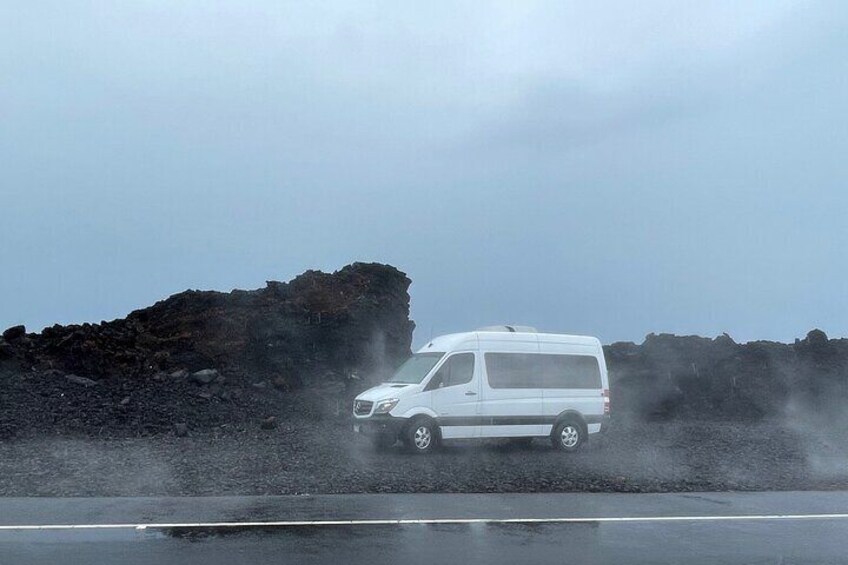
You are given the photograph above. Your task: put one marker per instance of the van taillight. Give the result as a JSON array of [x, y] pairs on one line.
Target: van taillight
[[606, 402]]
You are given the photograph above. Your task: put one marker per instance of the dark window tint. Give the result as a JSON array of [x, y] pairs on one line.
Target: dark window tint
[[569, 371], [457, 370], [511, 370], [534, 370]]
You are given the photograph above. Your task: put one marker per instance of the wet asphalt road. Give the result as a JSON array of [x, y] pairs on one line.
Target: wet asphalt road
[[788, 527]]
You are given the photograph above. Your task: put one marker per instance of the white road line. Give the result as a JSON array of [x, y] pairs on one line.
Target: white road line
[[425, 521]]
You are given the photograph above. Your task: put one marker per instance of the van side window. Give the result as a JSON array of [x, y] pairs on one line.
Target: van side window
[[541, 370], [511, 370], [457, 370], [570, 371]]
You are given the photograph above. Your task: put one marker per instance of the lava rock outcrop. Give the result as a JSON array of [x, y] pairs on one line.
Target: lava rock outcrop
[[697, 377], [355, 320]]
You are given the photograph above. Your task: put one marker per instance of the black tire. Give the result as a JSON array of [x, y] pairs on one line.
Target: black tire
[[421, 435], [568, 435]]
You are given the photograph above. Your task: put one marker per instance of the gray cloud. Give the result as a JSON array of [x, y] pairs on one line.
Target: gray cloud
[[602, 168]]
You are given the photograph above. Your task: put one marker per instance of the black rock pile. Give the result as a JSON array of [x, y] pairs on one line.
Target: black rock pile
[[696, 377], [203, 359], [208, 358]]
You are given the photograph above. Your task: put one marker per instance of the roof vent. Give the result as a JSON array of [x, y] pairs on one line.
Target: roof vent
[[510, 329]]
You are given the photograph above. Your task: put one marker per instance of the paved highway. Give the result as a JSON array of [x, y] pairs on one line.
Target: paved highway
[[787, 527]]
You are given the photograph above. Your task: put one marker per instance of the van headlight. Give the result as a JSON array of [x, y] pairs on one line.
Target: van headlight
[[385, 406]]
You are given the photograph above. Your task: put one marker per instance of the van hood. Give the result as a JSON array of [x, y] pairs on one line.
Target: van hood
[[385, 390]]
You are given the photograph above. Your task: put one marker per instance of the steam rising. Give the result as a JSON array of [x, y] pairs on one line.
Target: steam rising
[[689, 413]]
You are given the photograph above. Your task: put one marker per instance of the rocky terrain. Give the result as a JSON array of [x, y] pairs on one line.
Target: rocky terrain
[[206, 359], [691, 377], [249, 392], [303, 455]]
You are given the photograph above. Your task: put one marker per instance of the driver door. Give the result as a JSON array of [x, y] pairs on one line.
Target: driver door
[[455, 392]]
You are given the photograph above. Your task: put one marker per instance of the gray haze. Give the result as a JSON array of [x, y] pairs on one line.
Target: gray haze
[[613, 168]]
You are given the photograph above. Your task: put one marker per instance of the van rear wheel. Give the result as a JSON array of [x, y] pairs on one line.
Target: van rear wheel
[[422, 435], [568, 435]]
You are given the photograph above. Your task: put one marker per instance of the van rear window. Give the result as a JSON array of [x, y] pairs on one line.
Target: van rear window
[[542, 370]]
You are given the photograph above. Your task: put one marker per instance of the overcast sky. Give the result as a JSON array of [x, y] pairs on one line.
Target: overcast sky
[[610, 168]]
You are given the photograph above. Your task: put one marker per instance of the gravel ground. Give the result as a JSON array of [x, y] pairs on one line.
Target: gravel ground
[[304, 457]]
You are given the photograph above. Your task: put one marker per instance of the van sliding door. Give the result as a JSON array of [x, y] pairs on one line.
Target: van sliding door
[[511, 405]]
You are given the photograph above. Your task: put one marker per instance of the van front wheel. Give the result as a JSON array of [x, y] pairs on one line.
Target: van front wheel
[[568, 435], [421, 435]]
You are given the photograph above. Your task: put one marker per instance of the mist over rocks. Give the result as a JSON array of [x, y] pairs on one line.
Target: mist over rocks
[[210, 393], [670, 376], [209, 359]]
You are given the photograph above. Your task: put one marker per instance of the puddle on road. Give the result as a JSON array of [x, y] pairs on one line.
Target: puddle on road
[[523, 533]]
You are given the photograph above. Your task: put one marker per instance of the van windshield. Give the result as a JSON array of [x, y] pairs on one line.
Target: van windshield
[[416, 368]]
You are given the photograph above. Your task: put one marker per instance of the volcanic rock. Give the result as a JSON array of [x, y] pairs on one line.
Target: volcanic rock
[[695, 377], [13, 333], [205, 376], [816, 338], [356, 319], [84, 381]]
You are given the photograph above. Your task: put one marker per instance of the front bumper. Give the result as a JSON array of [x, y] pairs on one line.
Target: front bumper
[[379, 425]]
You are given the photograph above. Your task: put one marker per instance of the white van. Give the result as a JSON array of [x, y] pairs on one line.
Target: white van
[[497, 382]]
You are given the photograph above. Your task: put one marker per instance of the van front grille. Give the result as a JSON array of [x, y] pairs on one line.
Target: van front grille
[[362, 407]]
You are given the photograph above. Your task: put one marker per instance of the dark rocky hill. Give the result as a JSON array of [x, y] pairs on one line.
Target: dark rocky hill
[[691, 376], [208, 358], [202, 359], [356, 319]]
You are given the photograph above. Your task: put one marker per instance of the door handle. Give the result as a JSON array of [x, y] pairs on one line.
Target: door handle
[[470, 393]]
